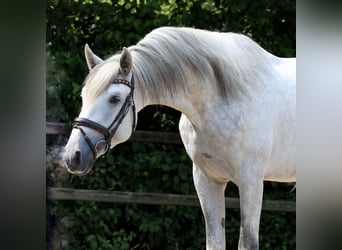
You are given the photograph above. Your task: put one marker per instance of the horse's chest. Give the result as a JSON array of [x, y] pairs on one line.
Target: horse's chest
[[210, 151]]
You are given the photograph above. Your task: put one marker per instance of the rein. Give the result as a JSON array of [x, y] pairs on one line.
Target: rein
[[102, 147]]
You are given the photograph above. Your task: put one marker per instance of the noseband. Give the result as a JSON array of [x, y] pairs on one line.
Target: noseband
[[102, 146]]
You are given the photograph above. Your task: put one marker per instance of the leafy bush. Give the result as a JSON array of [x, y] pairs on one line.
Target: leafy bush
[[107, 26]]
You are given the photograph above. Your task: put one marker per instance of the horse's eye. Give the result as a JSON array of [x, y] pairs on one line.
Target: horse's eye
[[114, 99]]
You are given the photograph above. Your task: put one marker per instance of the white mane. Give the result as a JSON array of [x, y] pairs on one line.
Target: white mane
[[165, 59], [171, 55]]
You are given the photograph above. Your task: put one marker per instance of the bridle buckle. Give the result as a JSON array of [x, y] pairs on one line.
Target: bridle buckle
[[101, 147]]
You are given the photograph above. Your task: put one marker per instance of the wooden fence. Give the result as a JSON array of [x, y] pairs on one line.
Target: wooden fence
[[54, 193]]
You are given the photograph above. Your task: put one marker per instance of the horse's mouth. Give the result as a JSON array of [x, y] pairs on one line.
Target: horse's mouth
[[82, 172], [76, 170]]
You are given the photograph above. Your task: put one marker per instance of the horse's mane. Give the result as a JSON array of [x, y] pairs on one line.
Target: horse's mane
[[172, 56]]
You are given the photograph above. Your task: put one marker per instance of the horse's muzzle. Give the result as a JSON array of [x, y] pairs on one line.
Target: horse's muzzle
[[77, 164]]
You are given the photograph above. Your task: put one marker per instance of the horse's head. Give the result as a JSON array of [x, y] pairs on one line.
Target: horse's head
[[108, 115]]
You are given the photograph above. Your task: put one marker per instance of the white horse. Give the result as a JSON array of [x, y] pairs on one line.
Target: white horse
[[238, 105]]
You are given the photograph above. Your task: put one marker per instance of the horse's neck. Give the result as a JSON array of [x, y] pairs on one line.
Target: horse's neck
[[197, 102], [187, 102]]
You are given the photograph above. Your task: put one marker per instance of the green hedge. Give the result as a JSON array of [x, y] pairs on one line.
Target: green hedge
[[107, 26]]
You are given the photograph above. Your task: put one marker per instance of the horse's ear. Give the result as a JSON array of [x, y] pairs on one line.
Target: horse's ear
[[125, 62], [91, 58]]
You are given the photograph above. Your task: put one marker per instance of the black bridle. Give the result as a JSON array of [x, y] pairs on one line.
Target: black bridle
[[102, 147]]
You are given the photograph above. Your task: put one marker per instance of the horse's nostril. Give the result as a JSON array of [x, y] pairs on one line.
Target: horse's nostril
[[77, 158]]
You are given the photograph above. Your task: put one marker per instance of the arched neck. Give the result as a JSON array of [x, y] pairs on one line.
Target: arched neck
[[181, 102]]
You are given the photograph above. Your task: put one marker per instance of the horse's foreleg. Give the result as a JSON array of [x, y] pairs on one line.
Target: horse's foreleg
[[251, 192], [211, 196]]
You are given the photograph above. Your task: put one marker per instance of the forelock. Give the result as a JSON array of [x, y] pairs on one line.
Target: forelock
[[99, 79]]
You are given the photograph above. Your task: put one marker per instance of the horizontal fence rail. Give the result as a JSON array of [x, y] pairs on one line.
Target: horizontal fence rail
[[54, 193]]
